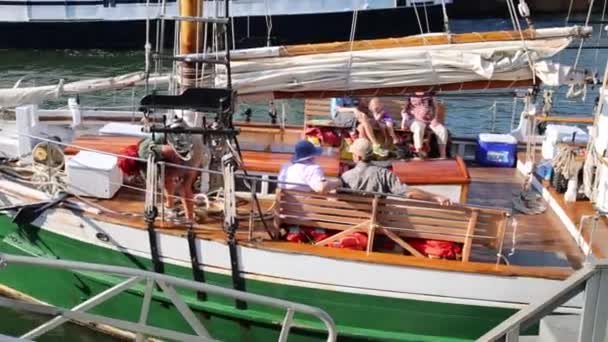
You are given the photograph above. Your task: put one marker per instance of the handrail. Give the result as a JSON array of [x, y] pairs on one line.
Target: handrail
[[586, 279], [167, 283]]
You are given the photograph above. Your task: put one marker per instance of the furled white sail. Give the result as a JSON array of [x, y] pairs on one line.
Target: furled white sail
[[400, 67], [14, 97], [398, 63]]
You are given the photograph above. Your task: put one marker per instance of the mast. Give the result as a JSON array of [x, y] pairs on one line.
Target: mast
[[190, 34]]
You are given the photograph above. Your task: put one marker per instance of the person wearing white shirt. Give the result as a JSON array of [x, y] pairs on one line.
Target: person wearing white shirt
[[303, 173]]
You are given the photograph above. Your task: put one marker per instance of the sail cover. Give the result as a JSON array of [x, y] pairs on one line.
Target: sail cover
[[14, 97], [384, 65], [400, 67]]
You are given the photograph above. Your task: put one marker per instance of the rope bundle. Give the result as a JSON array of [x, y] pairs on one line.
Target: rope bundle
[[566, 162]]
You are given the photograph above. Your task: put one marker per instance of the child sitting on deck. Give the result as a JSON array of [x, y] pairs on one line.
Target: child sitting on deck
[[348, 112], [382, 120]]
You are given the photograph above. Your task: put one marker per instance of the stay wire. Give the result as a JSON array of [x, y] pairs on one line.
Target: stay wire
[[569, 12], [512, 15], [419, 21], [426, 18]]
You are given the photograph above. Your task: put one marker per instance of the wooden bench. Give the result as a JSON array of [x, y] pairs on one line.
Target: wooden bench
[[394, 218]]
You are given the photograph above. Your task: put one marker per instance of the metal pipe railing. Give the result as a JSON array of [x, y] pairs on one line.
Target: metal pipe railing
[[167, 283], [592, 279]]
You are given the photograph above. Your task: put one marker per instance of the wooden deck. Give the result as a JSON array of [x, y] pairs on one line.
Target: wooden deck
[[542, 245], [535, 234]]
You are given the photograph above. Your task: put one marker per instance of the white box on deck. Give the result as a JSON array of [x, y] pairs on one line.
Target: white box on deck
[[93, 174], [560, 133]]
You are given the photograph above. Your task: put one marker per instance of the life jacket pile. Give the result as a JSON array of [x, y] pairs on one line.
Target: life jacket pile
[[127, 165], [436, 248], [356, 241], [325, 136]]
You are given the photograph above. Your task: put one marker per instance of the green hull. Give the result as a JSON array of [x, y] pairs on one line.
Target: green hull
[[358, 317]]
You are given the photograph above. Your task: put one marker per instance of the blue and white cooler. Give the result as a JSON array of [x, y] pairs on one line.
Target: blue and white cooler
[[496, 150]]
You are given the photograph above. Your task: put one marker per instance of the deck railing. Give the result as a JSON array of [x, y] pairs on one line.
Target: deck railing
[[168, 284], [250, 179], [592, 279]]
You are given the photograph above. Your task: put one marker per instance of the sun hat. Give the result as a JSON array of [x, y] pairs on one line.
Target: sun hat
[[305, 150], [361, 147]]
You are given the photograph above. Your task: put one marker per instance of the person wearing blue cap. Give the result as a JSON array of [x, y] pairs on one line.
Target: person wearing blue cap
[[303, 174]]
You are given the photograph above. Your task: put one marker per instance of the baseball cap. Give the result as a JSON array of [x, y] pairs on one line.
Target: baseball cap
[[361, 147]]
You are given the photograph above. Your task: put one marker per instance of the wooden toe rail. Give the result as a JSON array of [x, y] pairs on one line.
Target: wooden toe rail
[[395, 218]]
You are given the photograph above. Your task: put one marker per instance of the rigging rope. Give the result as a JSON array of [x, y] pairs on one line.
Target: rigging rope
[[353, 33], [150, 199], [512, 14], [268, 18], [514, 224], [147, 46], [599, 39], [580, 47], [446, 19], [426, 18], [569, 12], [419, 21], [566, 162], [523, 42]]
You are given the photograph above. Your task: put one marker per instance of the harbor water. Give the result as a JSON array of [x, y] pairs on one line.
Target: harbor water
[[15, 323], [468, 113]]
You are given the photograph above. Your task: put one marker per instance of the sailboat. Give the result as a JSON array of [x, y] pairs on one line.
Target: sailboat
[[507, 259]]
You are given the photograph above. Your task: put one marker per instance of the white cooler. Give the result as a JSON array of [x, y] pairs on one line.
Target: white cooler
[[93, 174], [560, 133]]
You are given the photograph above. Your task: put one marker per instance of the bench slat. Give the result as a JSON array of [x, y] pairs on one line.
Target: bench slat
[[330, 203], [328, 197], [412, 204], [444, 215], [414, 219], [320, 217], [314, 224], [297, 208], [423, 235]]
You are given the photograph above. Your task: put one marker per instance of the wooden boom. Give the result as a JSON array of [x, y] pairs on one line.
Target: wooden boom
[[402, 91], [433, 39]]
